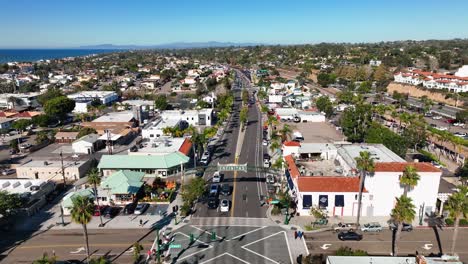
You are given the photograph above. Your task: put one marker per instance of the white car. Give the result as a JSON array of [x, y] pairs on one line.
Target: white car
[[217, 177], [266, 164], [458, 124], [441, 128], [265, 142], [270, 179], [460, 134], [436, 117], [224, 206]]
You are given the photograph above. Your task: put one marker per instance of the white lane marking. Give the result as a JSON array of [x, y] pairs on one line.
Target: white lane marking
[[427, 246], [201, 242], [305, 245], [289, 249], [325, 246], [78, 250], [211, 259], [205, 231], [258, 254], [255, 230], [367, 241]]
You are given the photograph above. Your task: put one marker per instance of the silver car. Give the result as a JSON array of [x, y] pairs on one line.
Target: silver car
[[371, 227]]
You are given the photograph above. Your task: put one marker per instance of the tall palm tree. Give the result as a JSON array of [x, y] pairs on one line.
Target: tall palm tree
[[402, 212], [95, 179], [409, 179], [274, 146], [272, 121], [365, 164], [457, 205], [82, 213], [285, 132]]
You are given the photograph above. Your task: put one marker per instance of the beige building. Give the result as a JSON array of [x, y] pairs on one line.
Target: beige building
[[52, 169]]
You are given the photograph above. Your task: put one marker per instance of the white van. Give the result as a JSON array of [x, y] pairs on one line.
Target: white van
[[297, 136]]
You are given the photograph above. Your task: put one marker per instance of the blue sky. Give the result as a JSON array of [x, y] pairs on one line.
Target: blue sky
[[70, 23]]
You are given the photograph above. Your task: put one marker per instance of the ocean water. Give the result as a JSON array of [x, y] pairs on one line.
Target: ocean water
[[31, 55]]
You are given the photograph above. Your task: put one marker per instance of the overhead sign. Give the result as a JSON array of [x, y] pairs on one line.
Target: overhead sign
[[232, 167]]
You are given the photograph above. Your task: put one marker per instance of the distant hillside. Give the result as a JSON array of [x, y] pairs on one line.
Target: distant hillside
[[175, 45]]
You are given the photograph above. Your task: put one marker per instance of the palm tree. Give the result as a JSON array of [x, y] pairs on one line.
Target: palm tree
[[82, 213], [402, 212], [285, 132], [409, 179], [457, 205], [272, 121], [365, 164], [95, 179], [274, 146]]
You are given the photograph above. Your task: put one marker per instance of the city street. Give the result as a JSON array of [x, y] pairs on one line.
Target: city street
[[422, 240]]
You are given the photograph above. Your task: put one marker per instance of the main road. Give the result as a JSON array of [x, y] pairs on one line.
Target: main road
[[248, 188]]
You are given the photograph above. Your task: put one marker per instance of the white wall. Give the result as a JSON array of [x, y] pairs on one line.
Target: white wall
[[350, 203], [312, 118]]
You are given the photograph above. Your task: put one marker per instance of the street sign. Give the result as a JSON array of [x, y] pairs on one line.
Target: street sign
[[175, 246], [232, 167], [275, 202]]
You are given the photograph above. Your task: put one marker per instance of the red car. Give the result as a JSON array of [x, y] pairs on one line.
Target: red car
[[450, 121], [98, 210]]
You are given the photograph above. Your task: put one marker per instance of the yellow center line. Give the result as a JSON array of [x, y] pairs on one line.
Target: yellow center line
[[80, 245], [234, 189]]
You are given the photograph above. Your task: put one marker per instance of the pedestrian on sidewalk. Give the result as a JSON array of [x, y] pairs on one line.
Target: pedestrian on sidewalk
[[141, 222], [299, 234], [295, 234]]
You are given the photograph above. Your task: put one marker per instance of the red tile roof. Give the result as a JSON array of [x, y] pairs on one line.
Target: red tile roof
[[328, 184], [186, 146], [292, 144], [293, 170], [400, 166]]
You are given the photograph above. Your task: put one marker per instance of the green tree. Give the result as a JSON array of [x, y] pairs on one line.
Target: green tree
[[347, 251], [355, 121], [324, 104], [409, 179], [137, 248], [193, 190], [14, 145], [378, 134], [21, 124], [95, 179], [403, 212], [59, 107], [415, 134], [457, 205], [42, 120], [285, 132], [82, 213], [365, 165], [50, 94], [243, 116], [245, 96], [45, 259], [86, 131], [462, 173], [325, 79], [462, 116], [42, 136], [99, 260], [9, 203], [161, 102]]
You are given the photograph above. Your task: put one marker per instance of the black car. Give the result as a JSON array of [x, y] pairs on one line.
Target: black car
[[225, 189], [129, 208], [213, 202], [199, 173], [110, 212], [350, 235]]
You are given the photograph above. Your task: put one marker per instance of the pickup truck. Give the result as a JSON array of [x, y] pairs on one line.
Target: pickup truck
[[344, 227]]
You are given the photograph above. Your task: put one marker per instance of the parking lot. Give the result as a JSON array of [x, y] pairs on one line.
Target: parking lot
[[322, 132]]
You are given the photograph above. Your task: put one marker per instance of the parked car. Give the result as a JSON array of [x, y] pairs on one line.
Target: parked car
[[436, 117], [265, 142], [214, 188], [441, 128], [460, 134], [349, 235], [225, 189], [141, 208], [270, 179], [450, 121], [217, 177], [224, 205], [271, 189], [436, 164], [371, 227], [129, 208], [205, 159], [266, 163], [459, 124], [25, 146], [344, 227], [99, 210], [110, 212], [266, 157], [8, 171], [199, 172], [406, 227]]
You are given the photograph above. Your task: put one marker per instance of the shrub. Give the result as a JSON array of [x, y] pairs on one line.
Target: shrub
[[185, 209], [450, 222], [276, 210], [347, 251], [308, 228]]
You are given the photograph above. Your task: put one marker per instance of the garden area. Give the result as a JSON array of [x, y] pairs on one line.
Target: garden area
[[160, 191]]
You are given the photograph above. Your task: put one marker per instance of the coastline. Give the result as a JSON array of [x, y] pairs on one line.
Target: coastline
[[35, 55]]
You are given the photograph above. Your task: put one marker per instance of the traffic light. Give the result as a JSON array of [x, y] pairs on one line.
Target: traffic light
[[213, 235], [192, 238]]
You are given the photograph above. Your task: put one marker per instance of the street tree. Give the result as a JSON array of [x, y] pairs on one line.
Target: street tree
[[403, 212], [409, 179], [160, 102], [9, 202], [243, 116], [365, 165], [95, 179], [59, 107], [462, 173], [193, 190], [21, 124], [324, 104], [82, 213], [355, 121], [86, 131], [48, 95], [457, 205]]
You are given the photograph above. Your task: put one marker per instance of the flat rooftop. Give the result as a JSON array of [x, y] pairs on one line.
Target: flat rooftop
[[320, 168], [378, 152], [320, 132], [160, 146], [124, 116], [161, 123], [92, 94], [19, 185], [53, 163]]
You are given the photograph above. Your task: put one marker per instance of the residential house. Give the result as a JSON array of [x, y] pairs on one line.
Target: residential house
[[156, 128], [65, 137], [87, 144], [67, 201], [121, 187], [202, 117]]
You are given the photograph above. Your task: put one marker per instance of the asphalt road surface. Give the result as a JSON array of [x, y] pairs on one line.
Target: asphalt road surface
[[422, 240]]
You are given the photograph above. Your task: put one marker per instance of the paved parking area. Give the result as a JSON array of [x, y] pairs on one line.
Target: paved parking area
[[230, 244], [157, 209], [322, 132]]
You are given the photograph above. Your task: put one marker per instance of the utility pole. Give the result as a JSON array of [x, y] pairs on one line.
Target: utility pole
[[109, 141], [63, 170]]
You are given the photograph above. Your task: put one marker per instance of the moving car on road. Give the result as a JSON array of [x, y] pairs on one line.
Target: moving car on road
[[225, 189], [349, 235], [371, 227], [110, 212], [224, 207], [141, 208], [217, 177], [214, 188], [270, 179], [212, 201], [205, 159]]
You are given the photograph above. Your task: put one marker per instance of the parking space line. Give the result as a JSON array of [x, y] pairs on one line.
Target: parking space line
[[289, 248]]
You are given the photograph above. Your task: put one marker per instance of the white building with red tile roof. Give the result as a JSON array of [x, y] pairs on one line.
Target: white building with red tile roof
[[336, 191], [454, 83]]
